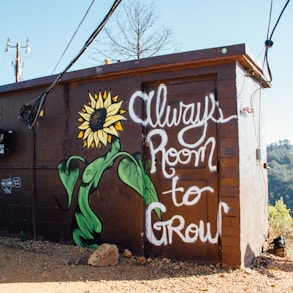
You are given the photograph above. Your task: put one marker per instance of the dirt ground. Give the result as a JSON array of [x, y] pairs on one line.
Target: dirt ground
[[31, 266]]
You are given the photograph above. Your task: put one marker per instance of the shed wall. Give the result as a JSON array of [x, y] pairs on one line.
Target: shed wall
[[162, 175], [253, 174]]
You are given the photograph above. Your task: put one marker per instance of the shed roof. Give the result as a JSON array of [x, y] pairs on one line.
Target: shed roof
[[212, 56]]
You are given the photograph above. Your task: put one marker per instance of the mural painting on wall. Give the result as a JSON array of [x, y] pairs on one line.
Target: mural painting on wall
[[9, 183], [194, 116], [100, 122]]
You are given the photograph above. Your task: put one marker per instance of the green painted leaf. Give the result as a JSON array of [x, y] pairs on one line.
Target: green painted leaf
[[68, 174], [132, 173]]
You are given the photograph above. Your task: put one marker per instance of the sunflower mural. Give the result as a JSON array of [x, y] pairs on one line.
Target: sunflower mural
[[100, 122]]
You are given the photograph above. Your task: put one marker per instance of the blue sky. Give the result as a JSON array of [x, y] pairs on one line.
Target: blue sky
[[196, 25]]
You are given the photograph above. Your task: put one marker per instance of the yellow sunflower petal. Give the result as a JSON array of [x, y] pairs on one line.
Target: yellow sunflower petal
[[118, 126], [88, 109], [112, 119], [100, 102], [113, 109], [103, 136], [121, 111], [115, 98], [111, 130], [90, 139], [86, 116], [93, 101], [96, 139], [84, 125], [80, 135], [87, 132], [108, 101]]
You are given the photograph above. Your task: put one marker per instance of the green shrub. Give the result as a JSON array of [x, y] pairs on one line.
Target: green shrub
[[280, 220]]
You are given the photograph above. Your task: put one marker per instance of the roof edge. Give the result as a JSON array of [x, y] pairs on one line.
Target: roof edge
[[213, 56]]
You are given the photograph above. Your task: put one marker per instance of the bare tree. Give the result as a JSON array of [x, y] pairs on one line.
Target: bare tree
[[135, 34]]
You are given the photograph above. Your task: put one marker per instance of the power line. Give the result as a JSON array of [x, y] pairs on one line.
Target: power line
[[269, 43], [279, 19], [270, 18], [73, 36], [30, 111]]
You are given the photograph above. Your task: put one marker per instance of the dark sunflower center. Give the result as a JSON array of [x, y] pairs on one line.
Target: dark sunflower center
[[97, 119]]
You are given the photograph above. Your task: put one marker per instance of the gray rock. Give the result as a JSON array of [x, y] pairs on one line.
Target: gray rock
[[105, 255]]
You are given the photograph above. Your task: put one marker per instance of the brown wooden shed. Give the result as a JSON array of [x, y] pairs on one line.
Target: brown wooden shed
[[164, 156]]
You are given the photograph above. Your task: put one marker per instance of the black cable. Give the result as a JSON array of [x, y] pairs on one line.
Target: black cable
[[266, 60], [269, 43], [270, 18], [268, 31], [279, 19], [29, 112], [73, 36]]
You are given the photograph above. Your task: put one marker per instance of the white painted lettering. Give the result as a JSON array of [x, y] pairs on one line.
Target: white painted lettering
[[188, 234], [194, 148], [190, 197]]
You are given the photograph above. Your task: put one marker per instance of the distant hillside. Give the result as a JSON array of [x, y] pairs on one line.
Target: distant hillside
[[280, 175]]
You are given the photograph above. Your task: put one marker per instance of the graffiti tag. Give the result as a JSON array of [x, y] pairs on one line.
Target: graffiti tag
[[9, 183]]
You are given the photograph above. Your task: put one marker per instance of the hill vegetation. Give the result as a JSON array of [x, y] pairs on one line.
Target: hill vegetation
[[280, 175]]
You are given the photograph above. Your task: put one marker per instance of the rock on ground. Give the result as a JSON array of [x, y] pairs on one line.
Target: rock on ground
[[105, 255]]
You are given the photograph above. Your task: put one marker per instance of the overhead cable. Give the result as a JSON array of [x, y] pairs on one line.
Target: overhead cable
[[73, 36], [269, 43], [30, 111]]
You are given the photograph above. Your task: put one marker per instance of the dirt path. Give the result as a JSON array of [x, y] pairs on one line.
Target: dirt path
[[49, 267]]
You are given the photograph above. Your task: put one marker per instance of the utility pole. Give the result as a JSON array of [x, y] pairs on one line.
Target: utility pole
[[18, 62]]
